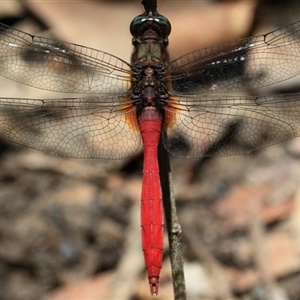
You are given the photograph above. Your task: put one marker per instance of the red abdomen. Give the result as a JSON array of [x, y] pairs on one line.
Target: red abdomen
[[150, 123]]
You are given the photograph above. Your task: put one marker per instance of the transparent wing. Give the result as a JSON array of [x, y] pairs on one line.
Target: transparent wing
[[80, 127], [239, 65], [211, 125], [58, 66]]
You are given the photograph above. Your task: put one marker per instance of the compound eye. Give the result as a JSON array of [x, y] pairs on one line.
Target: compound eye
[[157, 22], [164, 24], [135, 26]]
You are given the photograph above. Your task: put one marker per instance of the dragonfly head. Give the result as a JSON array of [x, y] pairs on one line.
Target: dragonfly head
[[144, 23]]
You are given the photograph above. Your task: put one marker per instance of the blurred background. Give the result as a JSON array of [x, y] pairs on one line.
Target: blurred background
[[69, 229]]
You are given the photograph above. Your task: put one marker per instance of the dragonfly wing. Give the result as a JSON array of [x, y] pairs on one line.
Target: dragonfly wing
[[80, 127], [58, 66], [244, 64], [212, 125]]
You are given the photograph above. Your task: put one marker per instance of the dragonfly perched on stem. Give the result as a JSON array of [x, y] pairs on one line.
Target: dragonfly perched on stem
[[183, 103]]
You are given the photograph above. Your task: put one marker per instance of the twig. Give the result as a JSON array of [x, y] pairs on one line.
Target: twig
[[172, 224], [149, 5]]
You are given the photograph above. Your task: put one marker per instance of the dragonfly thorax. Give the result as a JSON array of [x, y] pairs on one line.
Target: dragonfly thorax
[[148, 89]]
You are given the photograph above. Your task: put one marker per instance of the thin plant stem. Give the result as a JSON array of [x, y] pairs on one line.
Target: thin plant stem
[[172, 224]]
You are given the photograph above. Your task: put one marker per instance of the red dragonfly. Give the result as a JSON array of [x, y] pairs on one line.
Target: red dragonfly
[[184, 103]]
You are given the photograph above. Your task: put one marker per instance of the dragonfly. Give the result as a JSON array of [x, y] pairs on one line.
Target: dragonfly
[[196, 105]]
